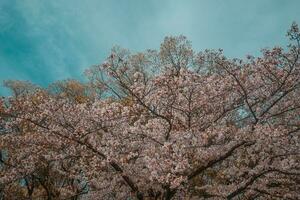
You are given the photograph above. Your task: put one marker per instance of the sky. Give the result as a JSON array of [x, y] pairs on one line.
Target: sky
[[43, 41]]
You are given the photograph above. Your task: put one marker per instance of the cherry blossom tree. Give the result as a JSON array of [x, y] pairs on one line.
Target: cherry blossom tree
[[167, 124]]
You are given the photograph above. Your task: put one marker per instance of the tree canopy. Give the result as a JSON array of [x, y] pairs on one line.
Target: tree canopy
[[162, 124]]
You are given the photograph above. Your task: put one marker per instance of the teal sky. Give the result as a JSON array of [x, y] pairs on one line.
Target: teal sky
[[47, 40]]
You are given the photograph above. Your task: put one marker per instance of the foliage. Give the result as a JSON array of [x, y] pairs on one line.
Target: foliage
[[168, 124]]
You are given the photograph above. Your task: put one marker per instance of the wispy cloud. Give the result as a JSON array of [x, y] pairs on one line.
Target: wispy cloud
[[43, 41]]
